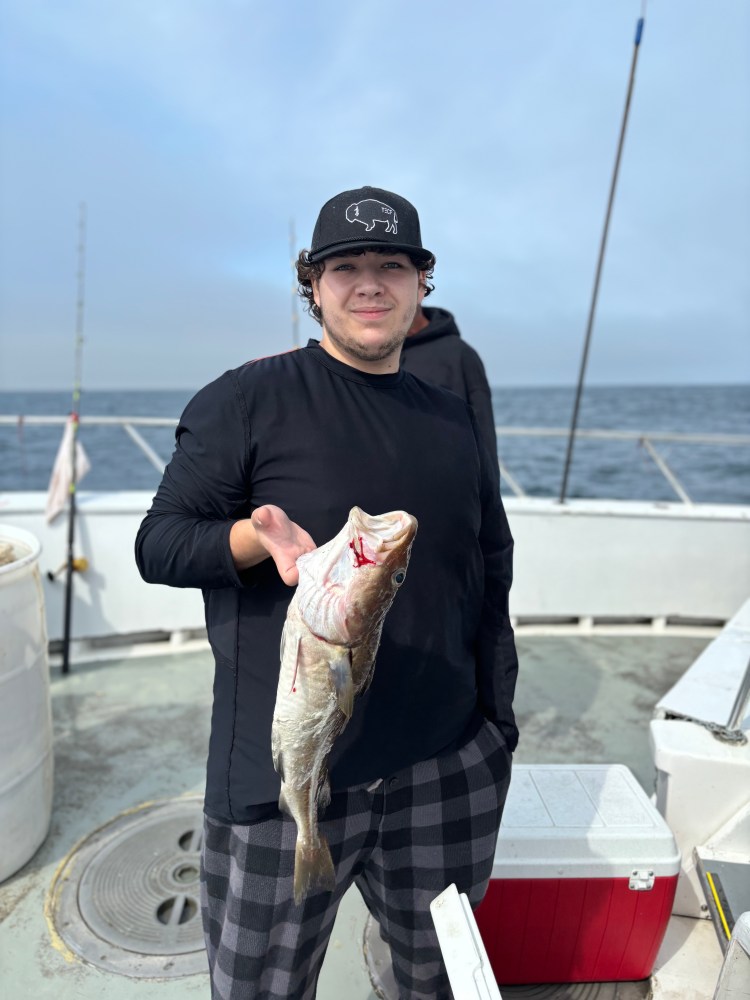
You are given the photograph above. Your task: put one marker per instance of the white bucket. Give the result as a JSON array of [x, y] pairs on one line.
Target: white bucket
[[26, 761]]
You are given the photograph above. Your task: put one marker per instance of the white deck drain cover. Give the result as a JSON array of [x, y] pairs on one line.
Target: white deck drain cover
[[128, 898]]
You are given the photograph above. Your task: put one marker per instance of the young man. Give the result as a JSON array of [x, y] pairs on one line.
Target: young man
[[269, 460]]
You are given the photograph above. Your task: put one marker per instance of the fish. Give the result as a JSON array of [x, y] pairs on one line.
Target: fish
[[328, 648]]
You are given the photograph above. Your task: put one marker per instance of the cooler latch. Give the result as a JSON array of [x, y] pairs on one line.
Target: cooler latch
[[641, 880]]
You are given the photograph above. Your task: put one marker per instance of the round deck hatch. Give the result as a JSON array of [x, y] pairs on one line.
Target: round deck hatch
[[127, 898]]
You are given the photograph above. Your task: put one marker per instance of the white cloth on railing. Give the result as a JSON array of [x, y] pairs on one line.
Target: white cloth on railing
[[61, 479]]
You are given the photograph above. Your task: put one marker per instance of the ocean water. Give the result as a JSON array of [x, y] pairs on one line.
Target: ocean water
[[601, 469]]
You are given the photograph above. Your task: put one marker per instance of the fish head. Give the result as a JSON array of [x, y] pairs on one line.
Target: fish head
[[347, 585]]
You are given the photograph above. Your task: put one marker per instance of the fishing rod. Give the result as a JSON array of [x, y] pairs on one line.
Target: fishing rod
[[75, 420], [600, 261], [295, 296]]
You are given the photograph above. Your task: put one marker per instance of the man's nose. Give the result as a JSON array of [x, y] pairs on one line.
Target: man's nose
[[370, 281]]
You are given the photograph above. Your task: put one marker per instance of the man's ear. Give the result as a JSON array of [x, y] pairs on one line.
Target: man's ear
[[314, 283], [422, 287]]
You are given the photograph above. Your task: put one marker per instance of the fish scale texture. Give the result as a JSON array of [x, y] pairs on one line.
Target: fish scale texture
[[320, 680]]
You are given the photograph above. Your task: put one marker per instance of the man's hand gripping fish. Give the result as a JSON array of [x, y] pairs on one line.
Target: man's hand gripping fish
[[328, 648]]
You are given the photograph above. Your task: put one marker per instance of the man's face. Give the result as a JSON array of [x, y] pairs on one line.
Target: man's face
[[367, 304]]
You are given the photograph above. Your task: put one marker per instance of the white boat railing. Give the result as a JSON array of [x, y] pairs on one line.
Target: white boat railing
[[645, 439], [128, 424]]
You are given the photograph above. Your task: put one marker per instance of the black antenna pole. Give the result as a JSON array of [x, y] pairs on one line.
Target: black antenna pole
[[74, 416], [600, 262]]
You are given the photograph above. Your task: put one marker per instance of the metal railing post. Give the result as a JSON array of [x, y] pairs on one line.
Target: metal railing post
[[661, 464]]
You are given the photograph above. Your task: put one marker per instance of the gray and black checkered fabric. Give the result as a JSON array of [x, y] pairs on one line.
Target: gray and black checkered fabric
[[402, 843]]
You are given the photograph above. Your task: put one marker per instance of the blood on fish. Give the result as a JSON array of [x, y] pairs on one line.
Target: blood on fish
[[360, 559]]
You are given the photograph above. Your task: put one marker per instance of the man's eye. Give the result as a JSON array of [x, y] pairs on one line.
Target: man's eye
[[343, 267], [394, 264]]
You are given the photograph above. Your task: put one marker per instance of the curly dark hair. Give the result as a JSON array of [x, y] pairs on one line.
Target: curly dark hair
[[309, 271]]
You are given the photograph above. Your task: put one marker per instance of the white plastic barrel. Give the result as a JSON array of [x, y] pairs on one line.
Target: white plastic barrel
[[26, 761]]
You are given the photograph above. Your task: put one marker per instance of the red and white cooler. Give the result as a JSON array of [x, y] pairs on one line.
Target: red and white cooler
[[584, 878]]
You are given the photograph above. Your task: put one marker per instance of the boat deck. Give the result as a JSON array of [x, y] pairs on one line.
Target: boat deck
[[134, 730]]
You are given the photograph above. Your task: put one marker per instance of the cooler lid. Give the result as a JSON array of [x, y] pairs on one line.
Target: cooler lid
[[581, 821]]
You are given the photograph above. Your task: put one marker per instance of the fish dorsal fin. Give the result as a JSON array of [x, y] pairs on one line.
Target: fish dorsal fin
[[341, 674]]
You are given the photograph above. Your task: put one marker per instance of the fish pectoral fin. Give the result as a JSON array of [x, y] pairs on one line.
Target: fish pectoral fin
[[291, 640], [285, 637], [341, 673]]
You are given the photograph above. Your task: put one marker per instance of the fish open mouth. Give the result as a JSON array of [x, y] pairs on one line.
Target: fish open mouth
[[382, 530]]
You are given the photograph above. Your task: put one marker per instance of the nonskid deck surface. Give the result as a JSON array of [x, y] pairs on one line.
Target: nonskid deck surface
[[131, 737]]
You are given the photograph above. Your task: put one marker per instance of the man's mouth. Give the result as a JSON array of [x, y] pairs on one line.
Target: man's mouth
[[374, 313]]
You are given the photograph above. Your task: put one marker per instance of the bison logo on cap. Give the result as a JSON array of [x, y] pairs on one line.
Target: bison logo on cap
[[370, 211]]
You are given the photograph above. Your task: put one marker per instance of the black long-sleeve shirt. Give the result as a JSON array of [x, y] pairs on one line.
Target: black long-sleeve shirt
[[315, 437]]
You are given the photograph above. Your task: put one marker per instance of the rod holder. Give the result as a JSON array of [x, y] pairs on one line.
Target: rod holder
[[80, 565]]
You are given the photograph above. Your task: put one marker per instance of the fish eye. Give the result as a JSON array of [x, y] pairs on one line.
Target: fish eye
[[398, 577]]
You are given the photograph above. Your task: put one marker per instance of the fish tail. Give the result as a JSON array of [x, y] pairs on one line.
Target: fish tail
[[313, 868]]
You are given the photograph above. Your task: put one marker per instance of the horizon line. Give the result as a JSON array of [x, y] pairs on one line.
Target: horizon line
[[499, 386]]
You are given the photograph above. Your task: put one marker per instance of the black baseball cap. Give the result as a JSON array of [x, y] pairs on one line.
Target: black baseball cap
[[367, 217]]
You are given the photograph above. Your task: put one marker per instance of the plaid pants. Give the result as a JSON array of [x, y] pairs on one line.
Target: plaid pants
[[401, 842]]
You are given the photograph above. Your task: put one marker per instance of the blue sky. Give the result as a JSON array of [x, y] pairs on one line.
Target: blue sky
[[197, 130]]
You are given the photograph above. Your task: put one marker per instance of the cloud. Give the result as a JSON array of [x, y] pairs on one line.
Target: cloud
[[197, 131]]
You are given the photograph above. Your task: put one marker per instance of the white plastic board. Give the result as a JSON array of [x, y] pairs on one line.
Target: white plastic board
[[466, 962]]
